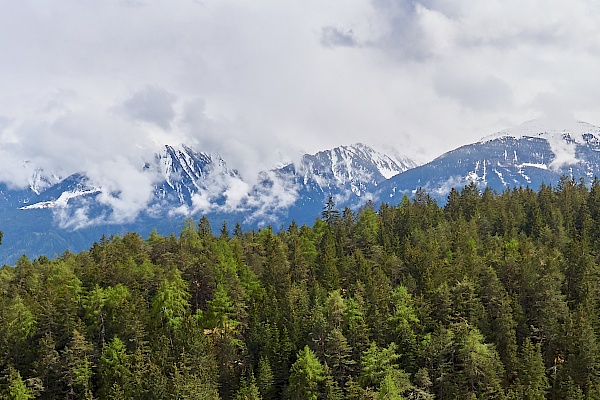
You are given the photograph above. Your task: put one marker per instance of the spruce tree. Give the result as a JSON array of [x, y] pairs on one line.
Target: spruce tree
[[306, 376], [532, 382]]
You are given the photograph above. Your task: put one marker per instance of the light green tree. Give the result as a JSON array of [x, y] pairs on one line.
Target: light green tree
[[17, 390], [305, 376]]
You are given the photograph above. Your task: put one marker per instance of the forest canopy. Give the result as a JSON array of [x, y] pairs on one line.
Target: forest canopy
[[492, 296]]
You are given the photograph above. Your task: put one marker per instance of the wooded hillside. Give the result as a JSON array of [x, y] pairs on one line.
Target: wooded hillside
[[493, 296]]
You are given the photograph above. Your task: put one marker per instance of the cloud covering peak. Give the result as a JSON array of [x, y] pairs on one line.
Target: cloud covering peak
[[252, 80]]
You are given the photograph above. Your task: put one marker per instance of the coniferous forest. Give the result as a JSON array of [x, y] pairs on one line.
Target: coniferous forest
[[493, 296]]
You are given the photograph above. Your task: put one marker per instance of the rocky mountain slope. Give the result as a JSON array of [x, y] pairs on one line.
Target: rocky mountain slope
[[528, 155], [190, 183]]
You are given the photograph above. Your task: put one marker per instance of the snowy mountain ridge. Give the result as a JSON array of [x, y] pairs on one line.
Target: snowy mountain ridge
[[577, 131], [190, 182], [563, 137], [63, 199], [357, 166], [183, 182], [535, 152]]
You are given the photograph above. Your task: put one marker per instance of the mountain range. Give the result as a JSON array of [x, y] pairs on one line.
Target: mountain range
[[528, 155], [56, 213]]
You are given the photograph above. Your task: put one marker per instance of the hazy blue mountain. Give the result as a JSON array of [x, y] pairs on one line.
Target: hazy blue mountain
[[533, 153], [351, 174], [56, 213], [49, 217]]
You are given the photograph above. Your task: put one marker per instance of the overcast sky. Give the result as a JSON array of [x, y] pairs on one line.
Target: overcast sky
[[100, 83]]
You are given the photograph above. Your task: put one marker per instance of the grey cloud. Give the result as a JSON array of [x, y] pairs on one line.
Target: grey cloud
[[396, 8], [4, 123], [195, 117], [555, 108], [477, 93], [152, 104], [132, 3], [451, 9], [335, 37], [246, 81], [505, 37], [66, 139], [402, 36], [244, 147]]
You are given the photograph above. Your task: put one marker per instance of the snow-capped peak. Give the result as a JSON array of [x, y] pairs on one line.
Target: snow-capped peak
[[177, 163], [40, 179], [63, 199], [349, 162], [545, 128], [355, 168]]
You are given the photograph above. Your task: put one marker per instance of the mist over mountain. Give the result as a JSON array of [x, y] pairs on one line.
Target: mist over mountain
[[535, 152], [76, 210], [57, 212]]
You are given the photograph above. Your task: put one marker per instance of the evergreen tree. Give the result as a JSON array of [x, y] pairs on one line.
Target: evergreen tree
[[248, 389], [16, 390], [330, 214], [583, 361], [306, 376], [265, 379], [356, 328], [328, 273], [338, 355], [376, 363], [170, 305], [393, 386], [224, 231], [531, 383], [114, 370], [77, 368], [402, 323], [480, 367]]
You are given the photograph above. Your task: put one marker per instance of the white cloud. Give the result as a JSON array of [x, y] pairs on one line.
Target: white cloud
[[277, 195], [224, 193], [564, 152], [445, 187], [236, 192], [251, 80], [151, 104], [335, 37]]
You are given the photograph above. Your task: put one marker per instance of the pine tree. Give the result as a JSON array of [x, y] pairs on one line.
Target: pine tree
[[170, 305], [583, 361], [78, 364], [237, 230], [480, 367], [224, 333], [376, 363], [204, 228], [265, 379], [401, 324], [330, 214], [328, 273], [532, 382], [393, 385], [248, 389], [356, 329], [17, 390], [338, 355], [224, 231], [306, 376], [114, 370]]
